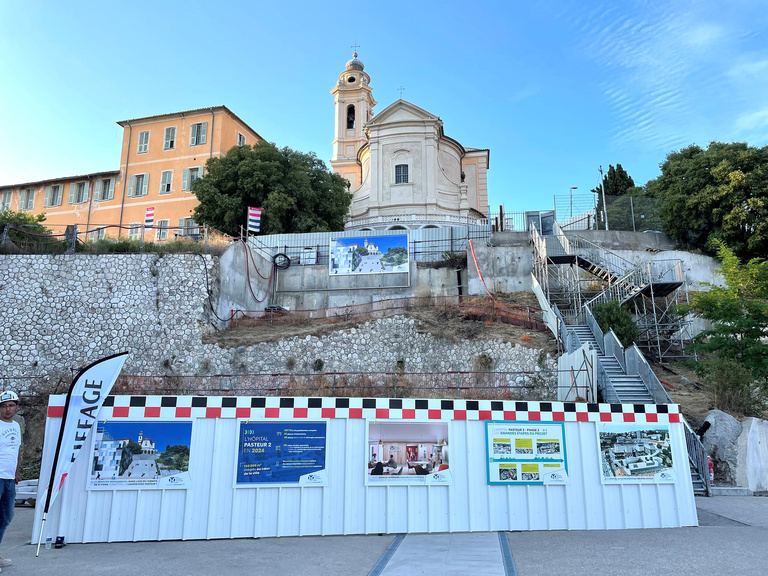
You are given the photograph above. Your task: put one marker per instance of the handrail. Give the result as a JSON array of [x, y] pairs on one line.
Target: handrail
[[637, 365], [606, 387], [594, 328], [613, 347], [697, 454]]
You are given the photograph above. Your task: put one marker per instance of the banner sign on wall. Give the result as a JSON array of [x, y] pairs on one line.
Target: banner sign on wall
[[526, 453], [407, 453], [368, 255], [632, 454], [136, 455], [281, 453]]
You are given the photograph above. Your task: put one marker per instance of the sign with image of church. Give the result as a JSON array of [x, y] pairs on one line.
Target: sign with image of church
[[364, 255]]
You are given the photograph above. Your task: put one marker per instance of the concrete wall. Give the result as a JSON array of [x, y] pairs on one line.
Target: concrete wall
[[752, 455]]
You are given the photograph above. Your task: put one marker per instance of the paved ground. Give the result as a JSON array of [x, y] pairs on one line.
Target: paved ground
[[732, 539]]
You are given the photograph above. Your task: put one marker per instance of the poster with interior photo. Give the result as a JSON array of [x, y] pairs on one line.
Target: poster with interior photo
[[136, 455], [355, 255], [407, 453], [635, 454], [526, 453]]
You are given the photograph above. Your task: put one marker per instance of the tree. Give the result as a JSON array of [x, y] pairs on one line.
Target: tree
[[295, 190], [739, 314], [720, 193], [616, 182]]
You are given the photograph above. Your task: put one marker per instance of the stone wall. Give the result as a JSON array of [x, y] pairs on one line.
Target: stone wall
[[62, 312]]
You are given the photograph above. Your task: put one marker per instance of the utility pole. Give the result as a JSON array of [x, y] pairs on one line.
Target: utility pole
[[571, 191], [605, 207]]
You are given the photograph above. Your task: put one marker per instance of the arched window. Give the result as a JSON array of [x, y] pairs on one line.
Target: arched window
[[351, 117]]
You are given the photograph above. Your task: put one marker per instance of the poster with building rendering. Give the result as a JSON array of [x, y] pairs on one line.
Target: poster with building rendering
[[135, 455], [526, 453], [368, 255], [635, 454]]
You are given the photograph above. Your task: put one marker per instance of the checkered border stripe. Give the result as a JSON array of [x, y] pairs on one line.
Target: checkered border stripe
[[266, 408]]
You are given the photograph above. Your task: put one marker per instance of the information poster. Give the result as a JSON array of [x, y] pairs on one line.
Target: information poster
[[135, 455], [281, 453], [632, 454], [526, 453]]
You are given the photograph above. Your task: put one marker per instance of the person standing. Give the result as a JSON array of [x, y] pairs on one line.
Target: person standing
[[10, 441]]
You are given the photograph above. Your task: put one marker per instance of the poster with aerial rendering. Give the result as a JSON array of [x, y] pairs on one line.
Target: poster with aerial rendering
[[135, 455], [368, 255], [634, 454], [526, 453]]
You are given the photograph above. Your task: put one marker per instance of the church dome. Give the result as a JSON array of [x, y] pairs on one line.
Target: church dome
[[355, 64]]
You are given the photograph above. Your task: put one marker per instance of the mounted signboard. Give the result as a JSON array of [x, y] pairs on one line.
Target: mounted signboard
[[286, 453], [526, 453], [407, 453], [631, 454], [136, 455], [368, 255]]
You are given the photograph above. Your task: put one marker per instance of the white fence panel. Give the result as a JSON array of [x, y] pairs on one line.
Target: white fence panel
[[213, 506]]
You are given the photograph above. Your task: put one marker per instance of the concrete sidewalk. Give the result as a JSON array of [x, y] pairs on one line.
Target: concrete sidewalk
[[732, 539]]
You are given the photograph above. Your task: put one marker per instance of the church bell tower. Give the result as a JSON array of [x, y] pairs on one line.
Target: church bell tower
[[354, 108]]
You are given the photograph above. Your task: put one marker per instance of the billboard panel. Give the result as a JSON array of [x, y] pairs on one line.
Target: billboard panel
[[526, 453], [368, 255]]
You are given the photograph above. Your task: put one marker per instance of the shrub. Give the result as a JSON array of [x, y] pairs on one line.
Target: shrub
[[733, 387], [611, 315]]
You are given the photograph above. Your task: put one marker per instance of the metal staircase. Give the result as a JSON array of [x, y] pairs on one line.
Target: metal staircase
[[574, 272]]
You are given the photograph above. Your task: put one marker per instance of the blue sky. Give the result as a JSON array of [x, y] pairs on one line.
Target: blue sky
[[554, 89], [162, 433]]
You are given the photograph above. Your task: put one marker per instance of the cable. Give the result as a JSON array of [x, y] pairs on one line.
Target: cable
[[281, 261]]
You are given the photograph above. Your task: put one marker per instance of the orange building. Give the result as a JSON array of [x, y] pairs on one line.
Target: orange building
[[160, 159]]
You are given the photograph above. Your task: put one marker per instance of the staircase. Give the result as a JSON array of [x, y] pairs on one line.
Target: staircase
[[628, 389]]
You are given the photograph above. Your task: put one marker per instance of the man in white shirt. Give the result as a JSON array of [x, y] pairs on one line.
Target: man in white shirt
[[10, 441]]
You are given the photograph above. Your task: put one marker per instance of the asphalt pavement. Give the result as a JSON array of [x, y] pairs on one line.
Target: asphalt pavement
[[732, 539]]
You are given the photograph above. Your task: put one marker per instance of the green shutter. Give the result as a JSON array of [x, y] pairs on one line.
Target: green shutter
[[131, 182], [72, 193], [184, 178], [47, 199], [203, 130], [111, 189], [146, 185], [97, 190]]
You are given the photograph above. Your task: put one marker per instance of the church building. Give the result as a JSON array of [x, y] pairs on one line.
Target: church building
[[404, 172]]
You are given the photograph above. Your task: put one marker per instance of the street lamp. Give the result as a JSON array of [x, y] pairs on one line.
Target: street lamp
[[571, 192]]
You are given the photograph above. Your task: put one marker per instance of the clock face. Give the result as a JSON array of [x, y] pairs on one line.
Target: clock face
[[351, 79]]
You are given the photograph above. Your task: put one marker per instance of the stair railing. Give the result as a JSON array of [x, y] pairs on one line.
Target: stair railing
[[593, 327], [637, 365], [606, 387], [697, 454], [613, 347]]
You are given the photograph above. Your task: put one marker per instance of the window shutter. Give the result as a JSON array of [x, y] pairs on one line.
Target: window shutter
[[97, 190], [167, 144], [131, 182], [192, 135], [182, 222], [184, 178], [72, 193], [111, 189], [30, 199], [47, 199], [86, 191], [200, 172], [203, 129], [146, 185]]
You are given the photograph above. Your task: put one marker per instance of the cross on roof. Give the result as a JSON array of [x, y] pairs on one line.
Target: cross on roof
[[355, 46], [401, 91]]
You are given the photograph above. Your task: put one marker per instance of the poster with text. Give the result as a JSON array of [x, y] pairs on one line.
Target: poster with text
[[290, 453], [633, 454], [135, 455], [368, 255], [407, 453], [526, 453]]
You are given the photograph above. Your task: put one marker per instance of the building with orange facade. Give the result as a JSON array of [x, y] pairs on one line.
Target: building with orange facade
[[160, 159]]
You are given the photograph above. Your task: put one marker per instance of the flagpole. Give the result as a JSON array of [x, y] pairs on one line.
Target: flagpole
[[54, 466]]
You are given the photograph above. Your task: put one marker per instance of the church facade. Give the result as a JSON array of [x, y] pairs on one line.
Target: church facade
[[404, 172]]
